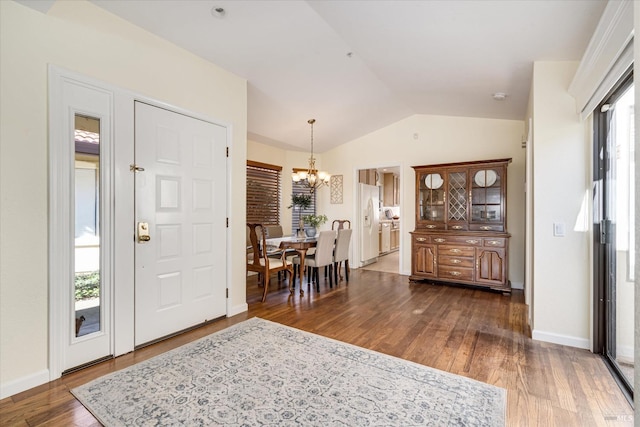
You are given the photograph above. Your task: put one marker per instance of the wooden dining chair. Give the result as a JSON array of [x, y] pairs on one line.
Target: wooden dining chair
[[261, 263], [341, 253], [275, 231], [321, 258], [340, 223]]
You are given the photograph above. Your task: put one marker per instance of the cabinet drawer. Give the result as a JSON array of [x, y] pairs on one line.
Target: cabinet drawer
[[458, 227], [455, 261], [431, 227], [458, 240], [457, 273], [486, 227], [458, 251], [494, 243], [421, 239]]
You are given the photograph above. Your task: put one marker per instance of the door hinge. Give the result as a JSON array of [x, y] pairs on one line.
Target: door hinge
[[227, 151], [227, 292], [227, 222]]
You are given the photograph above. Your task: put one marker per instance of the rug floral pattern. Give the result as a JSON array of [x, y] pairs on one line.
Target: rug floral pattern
[[262, 373]]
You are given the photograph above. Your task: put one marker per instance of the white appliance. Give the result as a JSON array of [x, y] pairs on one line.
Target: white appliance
[[369, 223]]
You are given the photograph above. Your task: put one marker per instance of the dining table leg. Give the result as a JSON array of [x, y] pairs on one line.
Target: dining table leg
[[302, 253]]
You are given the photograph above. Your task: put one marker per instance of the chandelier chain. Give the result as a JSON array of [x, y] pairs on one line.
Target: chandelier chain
[[312, 178]]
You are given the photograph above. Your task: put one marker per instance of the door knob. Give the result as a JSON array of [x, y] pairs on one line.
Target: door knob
[[143, 232]]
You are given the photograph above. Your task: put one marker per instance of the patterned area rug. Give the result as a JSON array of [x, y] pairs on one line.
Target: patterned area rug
[[263, 373]]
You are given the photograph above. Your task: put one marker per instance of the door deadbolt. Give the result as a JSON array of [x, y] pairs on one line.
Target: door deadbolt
[[143, 232]]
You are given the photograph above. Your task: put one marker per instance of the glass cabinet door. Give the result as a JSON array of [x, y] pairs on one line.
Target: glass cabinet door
[[486, 199], [457, 204], [432, 199]]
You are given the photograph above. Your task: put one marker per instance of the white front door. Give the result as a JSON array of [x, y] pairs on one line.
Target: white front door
[[180, 198]]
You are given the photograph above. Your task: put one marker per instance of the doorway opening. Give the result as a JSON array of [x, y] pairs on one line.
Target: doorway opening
[[380, 225]]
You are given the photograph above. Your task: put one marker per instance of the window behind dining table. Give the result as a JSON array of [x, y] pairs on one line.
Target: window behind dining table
[[263, 193], [300, 188]]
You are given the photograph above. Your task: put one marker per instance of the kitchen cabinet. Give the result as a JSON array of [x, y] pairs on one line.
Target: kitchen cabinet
[[395, 235], [389, 236], [385, 237], [368, 176], [461, 229], [391, 189]]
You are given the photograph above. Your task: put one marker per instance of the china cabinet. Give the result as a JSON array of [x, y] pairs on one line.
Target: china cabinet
[[461, 229]]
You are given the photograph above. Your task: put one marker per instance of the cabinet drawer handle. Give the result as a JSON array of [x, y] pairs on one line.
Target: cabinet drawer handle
[[421, 239], [455, 273], [485, 227], [455, 251], [439, 240], [431, 226], [456, 227], [493, 242], [456, 261], [473, 242]]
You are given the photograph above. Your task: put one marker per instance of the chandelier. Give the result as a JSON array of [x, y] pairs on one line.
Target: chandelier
[[311, 177]]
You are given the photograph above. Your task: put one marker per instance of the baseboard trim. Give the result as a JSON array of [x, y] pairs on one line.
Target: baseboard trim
[[241, 308], [25, 383], [561, 339], [517, 285]]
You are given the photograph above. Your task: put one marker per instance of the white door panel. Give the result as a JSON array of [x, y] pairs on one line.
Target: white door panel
[[80, 227], [180, 278]]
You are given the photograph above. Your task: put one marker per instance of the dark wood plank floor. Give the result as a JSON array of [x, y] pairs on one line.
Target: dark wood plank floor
[[473, 333]]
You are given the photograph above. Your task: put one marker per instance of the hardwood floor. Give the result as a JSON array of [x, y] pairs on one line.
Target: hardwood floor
[[388, 263], [473, 333]]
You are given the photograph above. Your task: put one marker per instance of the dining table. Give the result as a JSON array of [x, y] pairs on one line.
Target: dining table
[[301, 245]]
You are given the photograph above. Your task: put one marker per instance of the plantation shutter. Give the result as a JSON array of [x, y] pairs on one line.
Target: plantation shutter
[[299, 188], [263, 193]]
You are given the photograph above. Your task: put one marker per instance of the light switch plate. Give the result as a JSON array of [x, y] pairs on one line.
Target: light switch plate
[[558, 229]]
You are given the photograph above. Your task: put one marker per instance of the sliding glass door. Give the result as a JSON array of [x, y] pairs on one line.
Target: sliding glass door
[[614, 251]]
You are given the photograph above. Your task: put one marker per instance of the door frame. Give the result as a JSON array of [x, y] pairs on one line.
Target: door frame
[[123, 220], [603, 255]]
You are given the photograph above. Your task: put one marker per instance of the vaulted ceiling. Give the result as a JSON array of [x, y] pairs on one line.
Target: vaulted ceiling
[[357, 66]]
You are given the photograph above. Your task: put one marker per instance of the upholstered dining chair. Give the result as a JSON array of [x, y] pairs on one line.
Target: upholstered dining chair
[[273, 231], [341, 252], [261, 263], [321, 258]]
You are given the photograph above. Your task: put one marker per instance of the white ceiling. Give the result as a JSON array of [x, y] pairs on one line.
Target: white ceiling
[[407, 57]]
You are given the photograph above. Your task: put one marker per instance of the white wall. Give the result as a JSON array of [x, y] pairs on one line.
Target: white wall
[[561, 194], [440, 139], [636, 71], [83, 38]]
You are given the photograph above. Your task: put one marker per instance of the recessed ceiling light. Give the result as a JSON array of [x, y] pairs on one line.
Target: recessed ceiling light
[[499, 96], [218, 12]]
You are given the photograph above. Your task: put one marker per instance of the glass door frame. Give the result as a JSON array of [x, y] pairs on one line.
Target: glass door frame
[[604, 249]]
